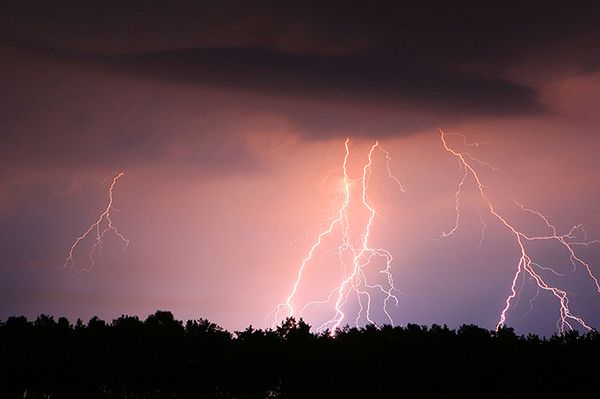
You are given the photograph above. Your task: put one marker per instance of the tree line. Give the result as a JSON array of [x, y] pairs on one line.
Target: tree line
[[161, 357]]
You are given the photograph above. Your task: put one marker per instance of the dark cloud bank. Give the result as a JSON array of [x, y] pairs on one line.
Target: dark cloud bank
[[331, 69], [450, 59]]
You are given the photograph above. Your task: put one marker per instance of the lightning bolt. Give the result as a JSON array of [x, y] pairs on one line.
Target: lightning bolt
[[526, 266], [354, 279], [103, 225]]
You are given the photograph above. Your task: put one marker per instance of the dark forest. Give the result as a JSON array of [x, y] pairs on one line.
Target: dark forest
[[162, 357]]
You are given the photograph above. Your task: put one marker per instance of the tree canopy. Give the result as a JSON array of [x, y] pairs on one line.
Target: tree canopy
[[163, 357]]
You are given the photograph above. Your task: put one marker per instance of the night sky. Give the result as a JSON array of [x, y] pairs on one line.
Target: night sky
[[228, 117]]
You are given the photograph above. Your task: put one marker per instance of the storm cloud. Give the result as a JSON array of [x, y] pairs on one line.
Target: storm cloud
[[452, 61]]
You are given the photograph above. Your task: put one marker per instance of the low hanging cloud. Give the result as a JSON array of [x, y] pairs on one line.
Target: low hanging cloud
[[330, 70], [349, 79], [454, 60], [357, 78]]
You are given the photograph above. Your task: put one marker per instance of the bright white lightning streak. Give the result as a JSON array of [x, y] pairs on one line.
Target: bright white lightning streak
[[98, 232], [526, 266], [356, 282], [361, 259]]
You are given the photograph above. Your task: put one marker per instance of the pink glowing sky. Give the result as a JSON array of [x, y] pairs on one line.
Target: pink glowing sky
[[222, 197]]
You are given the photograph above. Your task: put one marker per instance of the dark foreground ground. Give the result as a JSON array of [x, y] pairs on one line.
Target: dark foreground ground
[[164, 358]]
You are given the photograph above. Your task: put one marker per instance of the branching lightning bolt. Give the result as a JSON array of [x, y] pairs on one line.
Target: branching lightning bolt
[[526, 267], [103, 225], [354, 280]]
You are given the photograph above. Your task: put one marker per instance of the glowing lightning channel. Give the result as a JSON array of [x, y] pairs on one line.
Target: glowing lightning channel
[[526, 266], [356, 281], [101, 226], [338, 220]]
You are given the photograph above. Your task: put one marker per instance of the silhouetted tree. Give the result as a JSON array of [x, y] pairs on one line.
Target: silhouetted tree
[[161, 357]]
